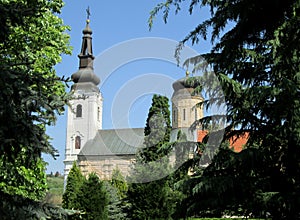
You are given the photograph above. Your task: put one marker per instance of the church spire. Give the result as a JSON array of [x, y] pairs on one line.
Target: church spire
[[86, 55], [85, 75]]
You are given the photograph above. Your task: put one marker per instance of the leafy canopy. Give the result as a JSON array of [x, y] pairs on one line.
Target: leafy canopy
[[32, 39]]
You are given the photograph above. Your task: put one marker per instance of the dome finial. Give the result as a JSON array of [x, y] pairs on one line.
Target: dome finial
[[187, 73]]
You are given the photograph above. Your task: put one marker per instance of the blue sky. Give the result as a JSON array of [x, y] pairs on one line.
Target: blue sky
[[127, 87]]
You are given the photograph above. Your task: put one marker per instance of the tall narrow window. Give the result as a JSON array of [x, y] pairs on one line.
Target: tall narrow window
[[196, 114], [184, 114], [77, 142], [78, 111], [98, 114], [174, 115]]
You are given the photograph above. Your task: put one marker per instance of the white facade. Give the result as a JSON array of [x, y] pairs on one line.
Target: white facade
[[85, 109], [82, 126]]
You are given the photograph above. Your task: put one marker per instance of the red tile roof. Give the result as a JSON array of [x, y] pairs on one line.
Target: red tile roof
[[236, 142], [201, 135]]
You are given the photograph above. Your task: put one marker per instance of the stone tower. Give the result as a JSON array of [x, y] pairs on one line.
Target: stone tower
[[184, 110], [84, 117]]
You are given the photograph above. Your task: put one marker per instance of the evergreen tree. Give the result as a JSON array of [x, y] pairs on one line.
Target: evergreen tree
[[157, 130], [93, 199], [256, 61], [149, 194], [75, 180], [119, 182], [116, 206]]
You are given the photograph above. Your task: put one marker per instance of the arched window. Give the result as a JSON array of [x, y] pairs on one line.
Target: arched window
[[184, 114], [77, 142], [78, 111]]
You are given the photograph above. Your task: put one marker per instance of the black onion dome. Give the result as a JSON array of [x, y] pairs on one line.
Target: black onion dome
[[181, 84], [85, 75], [85, 78]]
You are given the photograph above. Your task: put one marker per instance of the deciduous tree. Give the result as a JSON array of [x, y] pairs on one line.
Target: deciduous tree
[[32, 40]]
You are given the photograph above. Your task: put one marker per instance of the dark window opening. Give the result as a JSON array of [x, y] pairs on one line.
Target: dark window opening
[[174, 115], [79, 111], [77, 142]]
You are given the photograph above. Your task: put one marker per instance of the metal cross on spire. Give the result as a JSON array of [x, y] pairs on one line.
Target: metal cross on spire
[[88, 12]]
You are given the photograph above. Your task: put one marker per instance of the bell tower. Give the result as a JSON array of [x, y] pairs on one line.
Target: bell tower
[[84, 116], [184, 109]]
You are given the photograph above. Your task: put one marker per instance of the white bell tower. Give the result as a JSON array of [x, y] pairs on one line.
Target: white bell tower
[[85, 109]]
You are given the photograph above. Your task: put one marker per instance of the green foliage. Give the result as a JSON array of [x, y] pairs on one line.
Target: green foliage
[[87, 195], [157, 130], [151, 200], [182, 150], [75, 180], [149, 193], [119, 182], [55, 190], [256, 60], [116, 206], [18, 207], [31, 41], [31, 92], [55, 184], [29, 182], [93, 199]]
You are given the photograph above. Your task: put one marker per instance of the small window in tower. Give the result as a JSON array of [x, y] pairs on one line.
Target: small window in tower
[[184, 114], [79, 111], [196, 116], [77, 142], [174, 115], [98, 114]]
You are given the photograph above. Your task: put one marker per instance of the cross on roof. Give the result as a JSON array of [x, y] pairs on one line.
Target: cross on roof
[[88, 13]]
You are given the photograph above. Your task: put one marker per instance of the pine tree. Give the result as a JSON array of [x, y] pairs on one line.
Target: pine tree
[[93, 199], [75, 180], [256, 60], [116, 206]]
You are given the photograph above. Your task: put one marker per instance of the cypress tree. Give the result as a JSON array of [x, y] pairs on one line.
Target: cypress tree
[[149, 194], [157, 130], [74, 182]]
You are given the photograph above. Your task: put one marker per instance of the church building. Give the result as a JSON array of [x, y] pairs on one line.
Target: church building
[[102, 150]]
